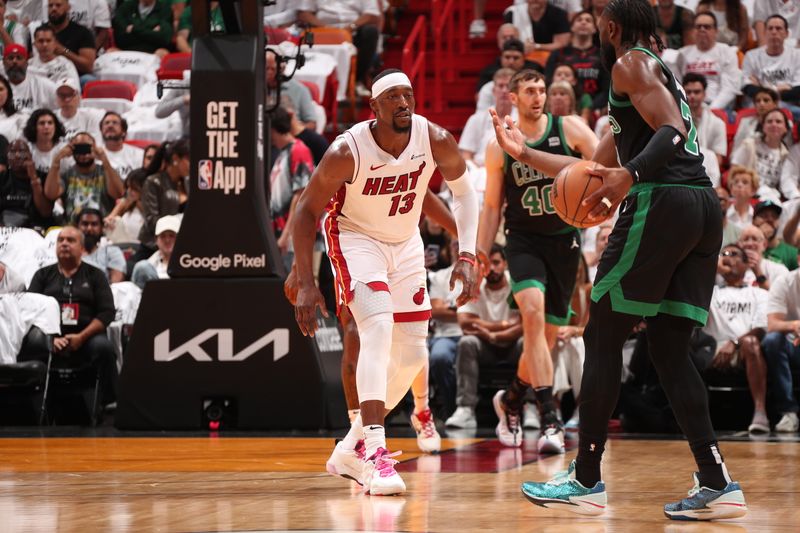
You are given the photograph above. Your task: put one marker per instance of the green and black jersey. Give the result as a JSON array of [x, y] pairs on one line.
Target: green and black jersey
[[632, 133], [529, 208]]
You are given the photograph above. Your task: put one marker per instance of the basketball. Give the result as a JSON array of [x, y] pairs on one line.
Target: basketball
[[571, 186]]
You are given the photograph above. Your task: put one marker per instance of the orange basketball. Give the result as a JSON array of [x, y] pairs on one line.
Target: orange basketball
[[571, 186]]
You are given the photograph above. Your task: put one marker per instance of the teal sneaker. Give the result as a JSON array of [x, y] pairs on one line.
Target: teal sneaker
[[706, 504], [566, 492]]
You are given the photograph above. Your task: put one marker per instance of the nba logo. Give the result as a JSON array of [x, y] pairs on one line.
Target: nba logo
[[204, 174]]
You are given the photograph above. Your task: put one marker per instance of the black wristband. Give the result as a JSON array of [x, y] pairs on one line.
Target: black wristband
[[658, 152], [761, 279]]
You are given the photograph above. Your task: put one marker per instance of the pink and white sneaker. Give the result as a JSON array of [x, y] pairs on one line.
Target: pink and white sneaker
[[428, 439], [346, 463], [379, 476]]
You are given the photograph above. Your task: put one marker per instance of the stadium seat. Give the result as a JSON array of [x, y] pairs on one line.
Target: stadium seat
[[276, 35], [173, 65], [141, 143], [110, 89], [314, 89], [327, 35]]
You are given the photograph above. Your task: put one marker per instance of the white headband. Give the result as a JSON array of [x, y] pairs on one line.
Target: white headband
[[387, 82]]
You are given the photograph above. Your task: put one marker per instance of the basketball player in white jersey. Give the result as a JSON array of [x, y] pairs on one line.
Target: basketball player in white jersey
[[373, 179], [428, 438]]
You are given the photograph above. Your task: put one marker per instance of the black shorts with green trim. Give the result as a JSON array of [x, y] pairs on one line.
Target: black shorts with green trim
[[546, 262], [662, 254]]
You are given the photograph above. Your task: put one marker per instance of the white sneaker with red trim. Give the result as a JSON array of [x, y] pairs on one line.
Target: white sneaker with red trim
[[428, 438]]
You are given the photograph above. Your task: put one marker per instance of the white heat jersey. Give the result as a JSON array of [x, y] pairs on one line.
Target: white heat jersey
[[384, 198]]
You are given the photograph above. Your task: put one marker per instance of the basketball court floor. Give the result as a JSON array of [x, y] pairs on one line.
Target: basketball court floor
[[102, 480]]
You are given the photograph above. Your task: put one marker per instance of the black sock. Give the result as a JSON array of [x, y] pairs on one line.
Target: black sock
[[587, 464], [710, 464], [547, 407], [515, 395]]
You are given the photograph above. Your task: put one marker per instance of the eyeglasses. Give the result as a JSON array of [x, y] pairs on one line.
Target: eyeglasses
[[703, 26], [730, 253]]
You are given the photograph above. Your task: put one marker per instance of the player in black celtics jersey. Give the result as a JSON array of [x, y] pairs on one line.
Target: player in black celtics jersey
[[659, 264], [542, 252]]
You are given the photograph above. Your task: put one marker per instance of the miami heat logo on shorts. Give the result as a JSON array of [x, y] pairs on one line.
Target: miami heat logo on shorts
[[419, 296]]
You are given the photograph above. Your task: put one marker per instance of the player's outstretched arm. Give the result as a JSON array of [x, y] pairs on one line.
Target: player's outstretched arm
[[337, 167], [465, 210], [512, 141]]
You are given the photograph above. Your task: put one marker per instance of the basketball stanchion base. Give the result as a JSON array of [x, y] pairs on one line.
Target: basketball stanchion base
[[227, 354]]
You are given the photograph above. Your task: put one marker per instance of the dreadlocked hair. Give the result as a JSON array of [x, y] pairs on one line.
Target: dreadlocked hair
[[638, 22]]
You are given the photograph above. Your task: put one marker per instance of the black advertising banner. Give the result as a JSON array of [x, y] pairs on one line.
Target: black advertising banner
[[226, 230], [231, 341]]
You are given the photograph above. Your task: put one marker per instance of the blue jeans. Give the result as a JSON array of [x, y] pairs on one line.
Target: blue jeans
[[443, 371], [781, 356]]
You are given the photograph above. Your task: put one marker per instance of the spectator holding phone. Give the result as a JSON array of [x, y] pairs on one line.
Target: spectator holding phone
[[86, 183]]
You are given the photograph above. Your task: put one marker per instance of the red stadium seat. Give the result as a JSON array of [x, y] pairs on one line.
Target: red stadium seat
[[141, 143], [314, 89], [173, 65], [276, 35], [110, 89]]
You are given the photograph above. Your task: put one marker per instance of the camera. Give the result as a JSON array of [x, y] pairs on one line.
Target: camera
[[81, 149]]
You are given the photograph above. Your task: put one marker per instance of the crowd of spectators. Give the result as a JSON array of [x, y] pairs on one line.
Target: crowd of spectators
[[66, 163]]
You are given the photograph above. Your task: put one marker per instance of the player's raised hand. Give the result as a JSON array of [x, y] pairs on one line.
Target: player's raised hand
[[616, 183], [466, 272], [305, 309], [509, 136]]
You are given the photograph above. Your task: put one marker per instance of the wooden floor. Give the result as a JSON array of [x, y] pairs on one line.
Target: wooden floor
[[267, 484]]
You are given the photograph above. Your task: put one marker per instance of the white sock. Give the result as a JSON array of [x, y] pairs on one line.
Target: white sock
[[374, 438], [352, 414], [355, 434]]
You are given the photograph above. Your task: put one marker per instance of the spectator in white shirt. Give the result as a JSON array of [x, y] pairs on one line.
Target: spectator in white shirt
[[53, 67], [12, 31], [12, 122], [788, 9], [282, 13], [737, 320], [25, 11], [766, 153], [30, 92], [764, 101], [73, 117], [732, 21], [716, 61], [762, 271], [155, 267], [775, 65], [711, 135], [512, 57], [781, 348], [361, 17], [46, 134], [123, 157], [742, 184], [479, 130], [446, 333]]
